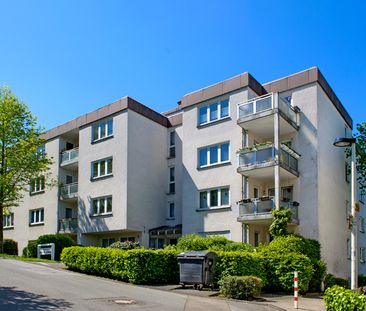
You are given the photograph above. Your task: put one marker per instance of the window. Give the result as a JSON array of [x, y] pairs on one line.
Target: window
[[348, 249], [213, 112], [214, 155], [215, 198], [8, 221], [256, 193], [37, 184], [256, 238], [171, 179], [362, 254], [172, 144], [102, 168], [36, 216], [108, 241], [41, 151], [347, 172], [102, 130], [171, 211], [361, 223], [102, 206], [128, 239]]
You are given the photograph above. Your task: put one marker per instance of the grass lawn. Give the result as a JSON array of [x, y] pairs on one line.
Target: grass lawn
[[26, 259]]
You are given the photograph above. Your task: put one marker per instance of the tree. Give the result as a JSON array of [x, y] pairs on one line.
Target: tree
[[281, 218], [361, 155], [22, 153]]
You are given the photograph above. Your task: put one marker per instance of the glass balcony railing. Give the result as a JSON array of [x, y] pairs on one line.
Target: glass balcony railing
[[264, 103], [69, 190], [69, 155], [250, 208], [264, 154], [68, 225]]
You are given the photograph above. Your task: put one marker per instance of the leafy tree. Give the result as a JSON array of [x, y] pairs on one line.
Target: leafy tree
[[361, 155], [281, 218], [22, 156]]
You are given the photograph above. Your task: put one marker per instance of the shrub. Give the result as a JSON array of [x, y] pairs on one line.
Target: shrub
[[320, 269], [139, 266], [338, 298], [192, 242], [240, 264], [280, 269], [281, 218], [234, 247], [125, 245], [61, 241], [10, 247], [240, 287], [30, 251]]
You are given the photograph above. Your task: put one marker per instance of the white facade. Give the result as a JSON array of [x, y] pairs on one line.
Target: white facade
[[215, 165]]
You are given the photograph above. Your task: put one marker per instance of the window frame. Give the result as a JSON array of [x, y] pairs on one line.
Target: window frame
[[33, 216], [362, 255], [208, 107], [171, 185], [208, 205], [172, 139], [100, 199], [107, 124], [361, 221], [207, 150], [106, 166], [8, 221], [37, 182], [170, 210]]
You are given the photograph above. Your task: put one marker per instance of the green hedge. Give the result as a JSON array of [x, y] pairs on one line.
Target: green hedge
[[240, 287], [10, 247], [240, 264], [30, 251], [61, 241], [138, 266], [338, 298]]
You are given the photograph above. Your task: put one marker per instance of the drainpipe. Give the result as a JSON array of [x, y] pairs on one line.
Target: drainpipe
[[277, 149]]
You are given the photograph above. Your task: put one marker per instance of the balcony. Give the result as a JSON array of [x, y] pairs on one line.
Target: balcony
[[259, 210], [263, 156], [256, 115], [70, 158], [69, 192], [68, 225]]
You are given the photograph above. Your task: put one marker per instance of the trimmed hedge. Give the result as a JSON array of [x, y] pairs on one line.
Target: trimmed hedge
[[240, 264], [138, 266], [338, 298], [61, 241], [240, 287], [10, 247], [30, 251]]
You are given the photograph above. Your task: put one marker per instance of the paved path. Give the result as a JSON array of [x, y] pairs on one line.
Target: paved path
[[41, 287]]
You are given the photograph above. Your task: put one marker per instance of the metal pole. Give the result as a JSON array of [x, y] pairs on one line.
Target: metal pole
[[354, 247], [296, 288]]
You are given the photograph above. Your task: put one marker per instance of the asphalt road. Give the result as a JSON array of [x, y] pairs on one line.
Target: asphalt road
[[37, 286]]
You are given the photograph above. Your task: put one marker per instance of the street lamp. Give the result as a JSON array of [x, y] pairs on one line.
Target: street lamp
[[351, 142]]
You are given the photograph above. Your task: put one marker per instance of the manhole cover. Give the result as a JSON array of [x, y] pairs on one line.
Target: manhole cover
[[124, 301]]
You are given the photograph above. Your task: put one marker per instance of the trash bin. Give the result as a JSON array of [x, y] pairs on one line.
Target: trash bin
[[196, 268]]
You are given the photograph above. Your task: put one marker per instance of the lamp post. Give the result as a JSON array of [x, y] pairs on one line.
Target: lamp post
[[351, 142]]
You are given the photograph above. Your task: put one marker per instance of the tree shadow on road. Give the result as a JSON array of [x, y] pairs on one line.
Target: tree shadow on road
[[12, 299]]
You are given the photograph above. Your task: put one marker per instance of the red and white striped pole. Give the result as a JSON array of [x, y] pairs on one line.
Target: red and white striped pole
[[296, 288]]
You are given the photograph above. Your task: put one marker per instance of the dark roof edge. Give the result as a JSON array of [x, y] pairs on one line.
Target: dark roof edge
[[103, 112]]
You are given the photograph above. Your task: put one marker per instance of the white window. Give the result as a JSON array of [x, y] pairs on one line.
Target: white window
[[8, 221], [102, 168], [213, 112], [213, 155], [171, 210], [215, 198], [362, 254], [37, 184], [36, 216], [361, 222], [102, 130], [102, 206], [171, 179], [172, 144]]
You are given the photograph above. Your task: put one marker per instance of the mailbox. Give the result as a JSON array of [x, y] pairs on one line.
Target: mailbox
[[46, 250]]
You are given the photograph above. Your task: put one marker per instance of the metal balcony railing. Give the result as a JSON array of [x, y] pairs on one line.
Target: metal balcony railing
[[69, 191], [68, 225], [69, 155]]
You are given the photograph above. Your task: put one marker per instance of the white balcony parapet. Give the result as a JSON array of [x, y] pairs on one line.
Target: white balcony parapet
[[69, 156], [68, 225]]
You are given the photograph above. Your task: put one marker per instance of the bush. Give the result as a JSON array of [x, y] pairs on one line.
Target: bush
[[280, 269], [320, 269], [138, 266], [240, 264], [10, 247], [240, 287], [30, 251], [125, 245], [338, 298], [61, 241], [195, 242], [281, 218]]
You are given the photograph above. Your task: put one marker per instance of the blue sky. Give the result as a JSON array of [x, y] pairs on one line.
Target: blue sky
[[68, 57]]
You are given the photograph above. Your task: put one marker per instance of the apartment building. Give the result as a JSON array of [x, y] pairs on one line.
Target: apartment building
[[217, 164]]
